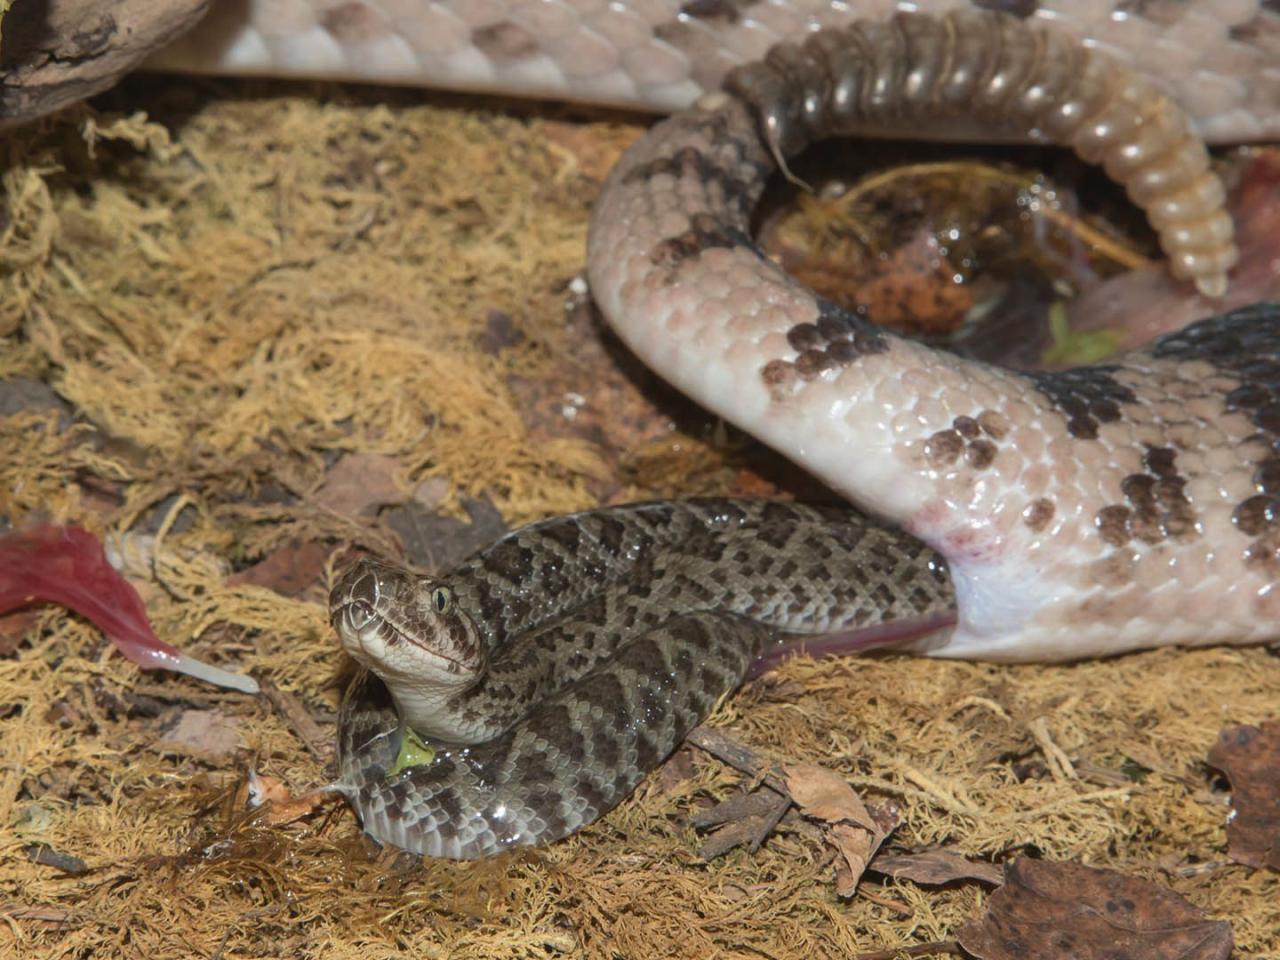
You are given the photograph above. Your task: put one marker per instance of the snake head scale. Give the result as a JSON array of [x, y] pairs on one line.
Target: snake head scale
[[410, 631]]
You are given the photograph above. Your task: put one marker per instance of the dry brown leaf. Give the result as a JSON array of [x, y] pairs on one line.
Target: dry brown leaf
[[855, 845], [825, 795], [854, 832], [289, 571], [360, 483], [936, 865], [204, 733], [1051, 910], [1250, 757]]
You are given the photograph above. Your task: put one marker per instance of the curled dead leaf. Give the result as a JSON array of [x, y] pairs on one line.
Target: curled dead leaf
[[825, 795], [937, 865], [1250, 757], [851, 829]]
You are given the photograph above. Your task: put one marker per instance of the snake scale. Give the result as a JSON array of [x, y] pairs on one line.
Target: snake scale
[[1088, 512]]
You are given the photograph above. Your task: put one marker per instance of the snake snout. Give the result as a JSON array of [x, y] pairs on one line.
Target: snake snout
[[359, 580], [354, 605]]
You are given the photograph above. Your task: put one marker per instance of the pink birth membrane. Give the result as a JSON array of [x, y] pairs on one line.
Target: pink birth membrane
[[67, 566]]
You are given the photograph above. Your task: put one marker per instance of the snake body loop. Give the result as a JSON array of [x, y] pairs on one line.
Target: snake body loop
[[1218, 59], [1083, 513], [1024, 82]]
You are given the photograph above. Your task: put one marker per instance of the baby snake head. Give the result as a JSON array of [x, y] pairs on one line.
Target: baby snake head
[[409, 630]]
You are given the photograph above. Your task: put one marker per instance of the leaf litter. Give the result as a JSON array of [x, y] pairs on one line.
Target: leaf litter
[[1068, 910]]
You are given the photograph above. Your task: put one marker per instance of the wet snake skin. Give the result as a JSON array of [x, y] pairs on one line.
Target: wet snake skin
[[1083, 513], [572, 656]]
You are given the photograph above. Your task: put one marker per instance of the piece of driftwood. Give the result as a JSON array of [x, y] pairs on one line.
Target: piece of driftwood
[[54, 53]]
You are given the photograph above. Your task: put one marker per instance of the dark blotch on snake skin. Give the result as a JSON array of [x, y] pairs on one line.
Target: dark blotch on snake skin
[[1262, 30], [505, 42], [351, 22], [713, 11], [837, 338], [737, 180], [966, 436], [1256, 515], [841, 335], [943, 448], [1113, 524], [1037, 514], [511, 560], [1245, 344], [1156, 506], [705, 233], [1266, 478], [1086, 396], [980, 454], [1022, 9]]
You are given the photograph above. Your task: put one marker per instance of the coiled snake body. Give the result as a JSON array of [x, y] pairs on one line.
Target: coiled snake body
[[573, 655], [1081, 513]]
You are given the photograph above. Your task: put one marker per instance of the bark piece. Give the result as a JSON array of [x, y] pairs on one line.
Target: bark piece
[[54, 53]]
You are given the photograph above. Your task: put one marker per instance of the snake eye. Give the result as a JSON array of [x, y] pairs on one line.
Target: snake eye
[[441, 598]]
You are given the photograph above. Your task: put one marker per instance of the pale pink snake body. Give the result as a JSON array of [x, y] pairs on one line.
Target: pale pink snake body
[[1219, 59], [1039, 538]]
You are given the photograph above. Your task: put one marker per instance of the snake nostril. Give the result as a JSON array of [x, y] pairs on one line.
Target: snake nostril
[[358, 614], [358, 584]]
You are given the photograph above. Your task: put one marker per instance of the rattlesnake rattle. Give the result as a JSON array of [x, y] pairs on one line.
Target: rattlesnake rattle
[[1082, 513]]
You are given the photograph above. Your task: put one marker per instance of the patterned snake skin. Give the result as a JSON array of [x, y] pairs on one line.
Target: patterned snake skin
[[1090, 512], [575, 654], [1220, 59], [1082, 513]]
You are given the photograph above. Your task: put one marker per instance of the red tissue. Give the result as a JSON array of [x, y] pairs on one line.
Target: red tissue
[[67, 566]]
